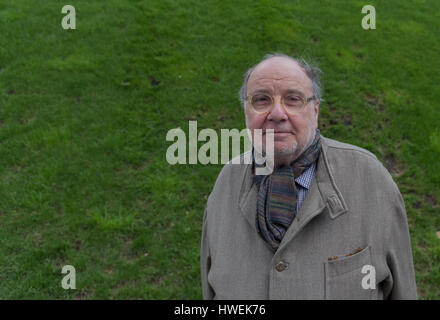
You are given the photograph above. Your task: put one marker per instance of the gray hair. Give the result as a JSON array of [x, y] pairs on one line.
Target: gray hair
[[312, 71]]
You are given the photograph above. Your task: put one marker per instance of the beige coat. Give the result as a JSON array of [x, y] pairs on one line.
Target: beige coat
[[352, 203]]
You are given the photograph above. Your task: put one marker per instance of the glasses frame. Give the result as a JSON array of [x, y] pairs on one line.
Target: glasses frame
[[306, 101]]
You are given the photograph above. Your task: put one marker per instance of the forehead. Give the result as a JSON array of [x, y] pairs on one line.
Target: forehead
[[278, 74]]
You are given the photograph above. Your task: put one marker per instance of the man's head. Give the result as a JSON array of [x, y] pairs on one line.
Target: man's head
[[283, 79]]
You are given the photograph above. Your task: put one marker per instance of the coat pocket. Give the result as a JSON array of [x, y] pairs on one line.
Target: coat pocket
[[343, 277]]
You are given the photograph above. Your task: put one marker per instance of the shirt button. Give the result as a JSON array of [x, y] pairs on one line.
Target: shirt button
[[281, 266]]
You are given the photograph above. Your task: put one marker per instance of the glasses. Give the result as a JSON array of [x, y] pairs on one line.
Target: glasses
[[293, 103]]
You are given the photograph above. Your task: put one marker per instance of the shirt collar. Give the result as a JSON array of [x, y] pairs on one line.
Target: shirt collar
[[305, 180]]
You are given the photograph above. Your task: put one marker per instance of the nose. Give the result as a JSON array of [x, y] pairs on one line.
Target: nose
[[277, 113]]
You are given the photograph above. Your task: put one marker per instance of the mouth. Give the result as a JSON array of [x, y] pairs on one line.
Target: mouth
[[282, 134], [277, 133]]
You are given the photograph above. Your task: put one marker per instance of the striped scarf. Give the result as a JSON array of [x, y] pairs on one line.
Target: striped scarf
[[278, 195]]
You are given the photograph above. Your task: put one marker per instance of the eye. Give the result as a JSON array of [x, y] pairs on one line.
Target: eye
[[261, 99], [293, 100]]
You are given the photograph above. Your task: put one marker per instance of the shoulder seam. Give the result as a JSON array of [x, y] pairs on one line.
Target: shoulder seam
[[368, 153]]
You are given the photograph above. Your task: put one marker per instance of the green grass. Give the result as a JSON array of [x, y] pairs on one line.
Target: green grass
[[84, 114]]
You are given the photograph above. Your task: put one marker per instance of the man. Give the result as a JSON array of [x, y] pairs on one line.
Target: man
[[328, 223]]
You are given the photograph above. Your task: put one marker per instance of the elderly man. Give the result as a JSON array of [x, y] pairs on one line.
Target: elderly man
[[328, 223]]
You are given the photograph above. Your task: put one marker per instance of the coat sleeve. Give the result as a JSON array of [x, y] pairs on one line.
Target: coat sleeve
[[401, 285], [205, 262]]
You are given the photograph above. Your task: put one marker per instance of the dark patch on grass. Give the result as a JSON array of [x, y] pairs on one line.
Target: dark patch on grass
[[384, 124], [417, 205], [143, 166], [76, 244], [154, 81], [395, 168], [432, 201], [84, 294], [224, 117], [347, 119], [38, 238], [330, 106], [155, 281], [359, 55], [372, 100], [195, 117], [375, 102]]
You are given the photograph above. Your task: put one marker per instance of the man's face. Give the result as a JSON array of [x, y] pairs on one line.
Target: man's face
[[292, 133]]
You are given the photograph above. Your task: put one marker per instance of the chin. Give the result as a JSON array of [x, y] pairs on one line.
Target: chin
[[285, 151]]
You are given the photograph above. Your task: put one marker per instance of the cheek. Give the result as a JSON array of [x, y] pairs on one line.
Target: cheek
[[298, 123], [302, 127], [255, 121], [304, 122]]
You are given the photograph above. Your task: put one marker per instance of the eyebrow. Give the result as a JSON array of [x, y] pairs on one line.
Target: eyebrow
[[262, 91], [288, 91], [295, 91]]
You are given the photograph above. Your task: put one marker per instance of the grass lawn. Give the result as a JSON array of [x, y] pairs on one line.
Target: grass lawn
[[84, 113]]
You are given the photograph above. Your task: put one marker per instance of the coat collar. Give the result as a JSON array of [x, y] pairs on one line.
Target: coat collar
[[323, 194]]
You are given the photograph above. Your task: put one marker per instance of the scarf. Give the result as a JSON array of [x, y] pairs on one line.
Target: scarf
[[278, 195]]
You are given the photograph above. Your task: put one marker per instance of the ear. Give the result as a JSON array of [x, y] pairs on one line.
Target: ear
[[316, 108]]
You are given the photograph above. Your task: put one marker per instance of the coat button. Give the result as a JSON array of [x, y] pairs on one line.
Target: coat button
[[281, 266]]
